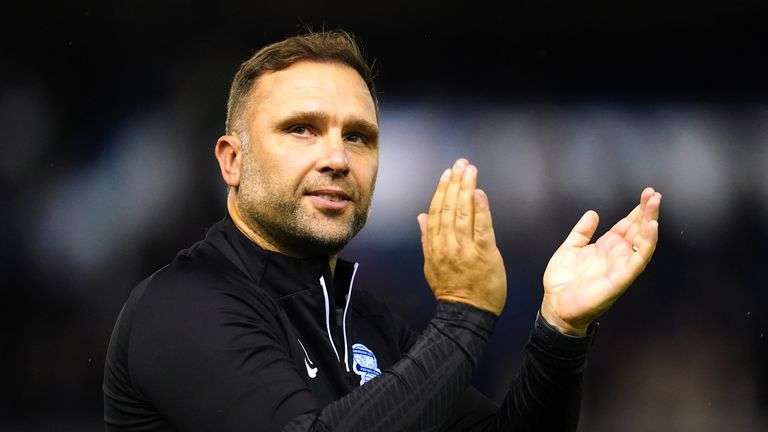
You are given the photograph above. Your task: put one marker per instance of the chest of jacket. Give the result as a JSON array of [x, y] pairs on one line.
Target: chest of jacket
[[335, 353]]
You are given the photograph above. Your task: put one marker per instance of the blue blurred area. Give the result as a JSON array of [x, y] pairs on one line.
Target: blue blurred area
[[109, 115]]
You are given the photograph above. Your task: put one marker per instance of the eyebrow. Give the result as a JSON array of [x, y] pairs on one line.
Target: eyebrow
[[357, 124]]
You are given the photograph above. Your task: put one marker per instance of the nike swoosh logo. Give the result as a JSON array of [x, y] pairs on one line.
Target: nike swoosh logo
[[311, 371]]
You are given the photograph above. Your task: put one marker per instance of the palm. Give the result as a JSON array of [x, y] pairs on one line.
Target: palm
[[583, 280], [589, 275]]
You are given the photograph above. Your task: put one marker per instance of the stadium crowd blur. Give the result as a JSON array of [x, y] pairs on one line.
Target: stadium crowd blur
[[109, 115]]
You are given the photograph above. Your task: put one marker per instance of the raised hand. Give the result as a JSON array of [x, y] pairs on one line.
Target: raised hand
[[461, 261], [583, 280]]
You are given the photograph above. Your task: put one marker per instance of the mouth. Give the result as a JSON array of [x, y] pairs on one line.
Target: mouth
[[329, 199]]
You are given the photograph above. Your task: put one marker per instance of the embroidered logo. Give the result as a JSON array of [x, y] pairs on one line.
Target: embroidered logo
[[311, 369], [364, 363]]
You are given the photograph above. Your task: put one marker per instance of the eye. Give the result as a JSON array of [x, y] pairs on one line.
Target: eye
[[299, 130], [357, 138]]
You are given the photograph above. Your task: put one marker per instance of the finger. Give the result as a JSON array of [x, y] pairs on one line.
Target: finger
[[484, 237], [645, 195], [422, 220], [652, 208], [648, 234], [651, 214], [433, 219], [634, 229], [646, 245], [583, 231], [622, 226], [636, 216], [465, 210], [450, 202]]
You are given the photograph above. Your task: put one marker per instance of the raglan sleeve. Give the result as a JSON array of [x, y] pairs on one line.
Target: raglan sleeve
[[545, 394]]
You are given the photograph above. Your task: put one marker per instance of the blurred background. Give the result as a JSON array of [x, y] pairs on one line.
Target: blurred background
[[109, 114]]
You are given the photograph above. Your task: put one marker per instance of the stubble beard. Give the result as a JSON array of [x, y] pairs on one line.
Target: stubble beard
[[287, 223]]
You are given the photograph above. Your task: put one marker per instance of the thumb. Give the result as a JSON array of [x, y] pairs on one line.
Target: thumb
[[583, 231], [422, 219]]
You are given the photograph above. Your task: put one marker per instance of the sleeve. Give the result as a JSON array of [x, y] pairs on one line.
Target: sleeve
[[544, 396]]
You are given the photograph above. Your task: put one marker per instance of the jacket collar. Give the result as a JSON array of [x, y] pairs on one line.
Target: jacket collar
[[281, 275]]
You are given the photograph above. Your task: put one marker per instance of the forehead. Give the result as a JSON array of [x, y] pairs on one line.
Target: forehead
[[334, 88]]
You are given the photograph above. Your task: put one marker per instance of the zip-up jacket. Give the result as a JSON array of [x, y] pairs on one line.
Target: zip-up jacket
[[231, 337]]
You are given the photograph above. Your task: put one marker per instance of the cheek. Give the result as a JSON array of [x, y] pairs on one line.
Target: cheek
[[367, 175], [277, 169], [291, 177], [374, 174]]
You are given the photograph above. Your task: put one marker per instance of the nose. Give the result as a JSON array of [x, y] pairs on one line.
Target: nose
[[333, 157]]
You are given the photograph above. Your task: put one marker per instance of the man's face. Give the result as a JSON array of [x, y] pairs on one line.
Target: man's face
[[308, 174]]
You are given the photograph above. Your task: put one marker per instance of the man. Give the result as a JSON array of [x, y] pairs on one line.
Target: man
[[259, 326]]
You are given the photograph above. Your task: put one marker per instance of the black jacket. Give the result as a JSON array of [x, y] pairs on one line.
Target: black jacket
[[232, 337]]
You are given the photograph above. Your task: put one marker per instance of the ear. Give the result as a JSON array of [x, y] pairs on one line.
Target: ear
[[229, 150]]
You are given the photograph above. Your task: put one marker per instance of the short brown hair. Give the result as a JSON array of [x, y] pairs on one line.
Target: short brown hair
[[331, 46]]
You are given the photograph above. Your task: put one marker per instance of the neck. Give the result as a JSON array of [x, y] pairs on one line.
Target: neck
[[255, 237]]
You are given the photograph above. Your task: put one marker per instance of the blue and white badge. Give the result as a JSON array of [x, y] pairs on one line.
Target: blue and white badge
[[364, 363]]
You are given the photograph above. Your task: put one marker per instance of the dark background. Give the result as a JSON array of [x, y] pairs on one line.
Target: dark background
[[109, 114]]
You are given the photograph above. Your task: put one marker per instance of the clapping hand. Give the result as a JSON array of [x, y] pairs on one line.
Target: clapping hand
[[584, 279], [461, 261]]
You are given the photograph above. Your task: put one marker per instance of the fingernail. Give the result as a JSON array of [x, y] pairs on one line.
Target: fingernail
[[460, 164], [470, 171], [446, 175]]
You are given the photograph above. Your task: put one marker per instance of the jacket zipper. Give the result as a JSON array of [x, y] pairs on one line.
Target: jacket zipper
[[343, 319]]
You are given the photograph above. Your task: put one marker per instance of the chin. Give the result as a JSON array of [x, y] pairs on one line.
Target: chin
[[328, 241], [335, 241], [325, 235]]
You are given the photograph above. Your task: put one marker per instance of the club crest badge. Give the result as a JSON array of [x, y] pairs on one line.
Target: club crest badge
[[364, 363]]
